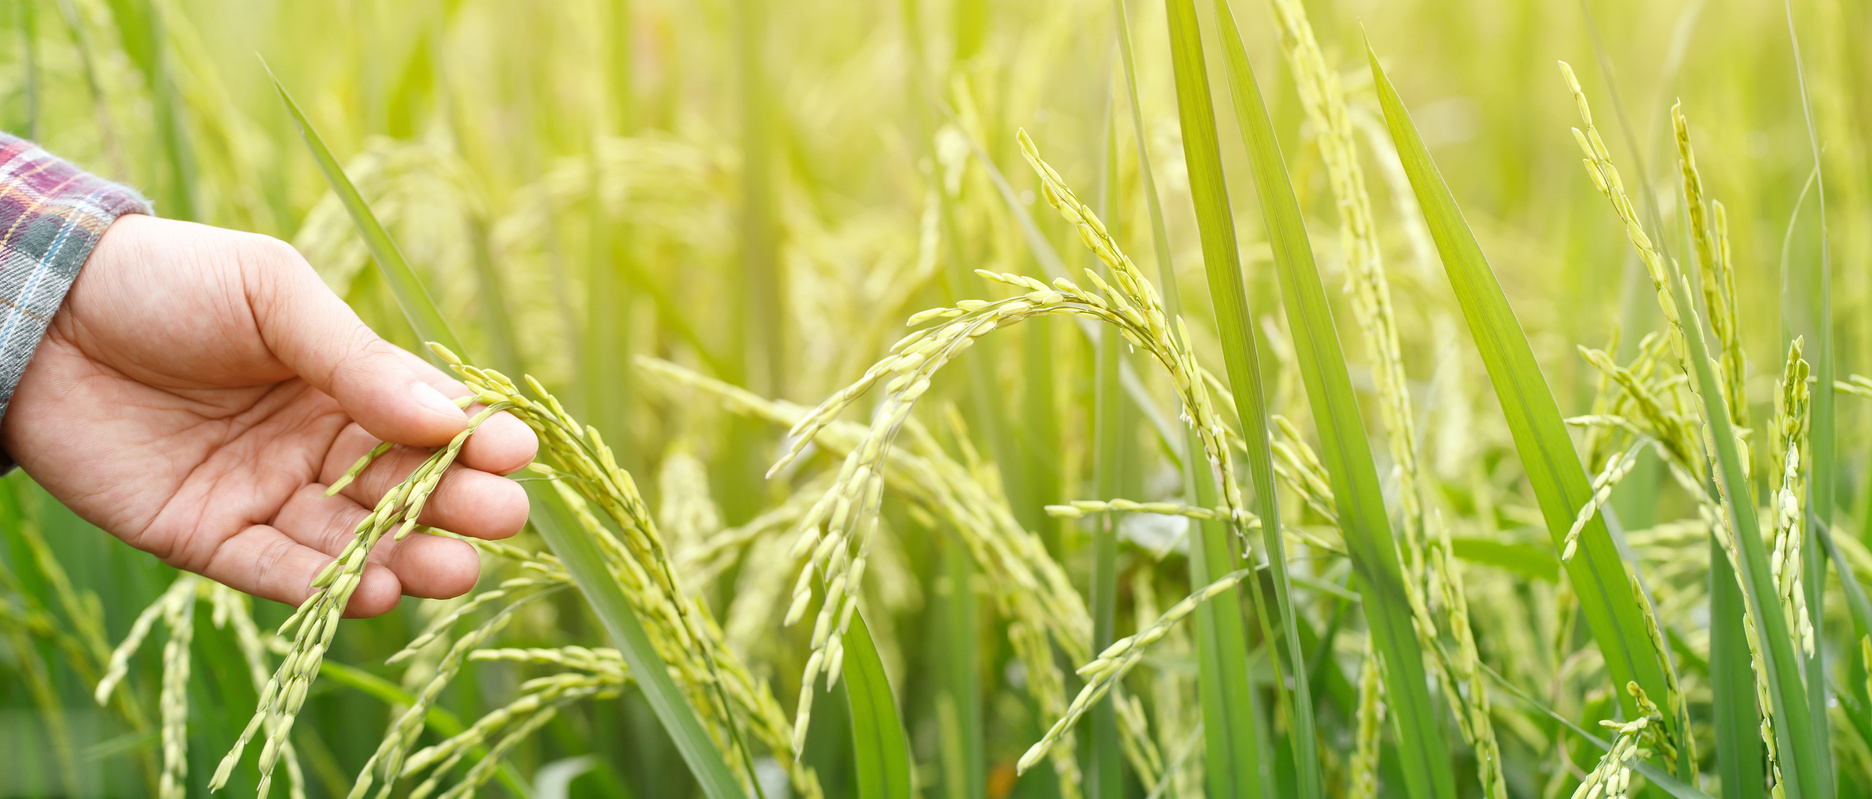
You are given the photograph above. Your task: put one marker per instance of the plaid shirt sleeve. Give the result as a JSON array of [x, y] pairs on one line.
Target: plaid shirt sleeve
[[51, 215]]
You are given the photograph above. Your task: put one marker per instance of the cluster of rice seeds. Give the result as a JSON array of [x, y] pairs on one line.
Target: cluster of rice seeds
[[539, 700], [176, 609], [316, 621], [1615, 470], [1176, 731], [1635, 740], [1789, 442], [584, 473], [1363, 771], [179, 617], [686, 513], [848, 512], [388, 759], [1111, 665], [230, 610], [1709, 231], [1430, 571], [691, 643], [1028, 584], [1465, 668], [1605, 177]]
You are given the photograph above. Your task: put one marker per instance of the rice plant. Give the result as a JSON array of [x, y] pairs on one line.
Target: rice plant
[[971, 400]]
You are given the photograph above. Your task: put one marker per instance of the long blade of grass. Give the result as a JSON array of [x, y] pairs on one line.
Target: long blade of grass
[[1222, 263], [411, 297], [1732, 683], [1821, 441], [586, 564], [1560, 482], [1348, 460], [880, 753]]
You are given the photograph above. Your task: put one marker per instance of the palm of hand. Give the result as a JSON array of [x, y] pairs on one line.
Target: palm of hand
[[200, 388]]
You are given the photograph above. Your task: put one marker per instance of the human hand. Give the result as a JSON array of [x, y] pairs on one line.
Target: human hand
[[200, 388]]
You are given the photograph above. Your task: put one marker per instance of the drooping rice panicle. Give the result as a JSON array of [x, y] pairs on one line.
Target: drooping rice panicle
[[585, 476], [1709, 232], [1119, 659], [1606, 178], [1636, 740], [849, 511], [1789, 450], [1362, 773], [315, 623], [179, 617], [1027, 583]]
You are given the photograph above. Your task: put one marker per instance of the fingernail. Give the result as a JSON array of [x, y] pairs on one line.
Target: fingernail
[[427, 396]]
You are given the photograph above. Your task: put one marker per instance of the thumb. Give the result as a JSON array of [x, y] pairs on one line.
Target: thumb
[[318, 337]]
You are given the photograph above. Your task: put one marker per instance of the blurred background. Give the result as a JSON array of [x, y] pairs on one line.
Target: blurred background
[[751, 190]]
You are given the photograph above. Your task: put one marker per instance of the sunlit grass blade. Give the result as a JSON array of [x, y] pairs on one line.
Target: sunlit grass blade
[[1560, 483], [411, 297], [880, 753], [586, 564], [1222, 263], [1348, 459], [1736, 720]]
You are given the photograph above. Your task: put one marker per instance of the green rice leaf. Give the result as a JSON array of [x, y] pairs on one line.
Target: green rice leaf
[[880, 753], [411, 297], [1733, 713], [1344, 450], [1232, 753], [1559, 480]]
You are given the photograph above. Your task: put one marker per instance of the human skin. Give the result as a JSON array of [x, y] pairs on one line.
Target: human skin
[[200, 388]]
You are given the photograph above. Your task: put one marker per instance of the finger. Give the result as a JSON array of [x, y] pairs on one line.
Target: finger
[[424, 565], [433, 567], [316, 335], [265, 562], [467, 501], [501, 445]]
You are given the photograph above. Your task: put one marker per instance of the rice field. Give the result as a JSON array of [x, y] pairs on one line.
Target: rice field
[[1081, 399]]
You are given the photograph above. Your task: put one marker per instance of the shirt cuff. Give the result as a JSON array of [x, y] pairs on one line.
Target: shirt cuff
[[51, 216]]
